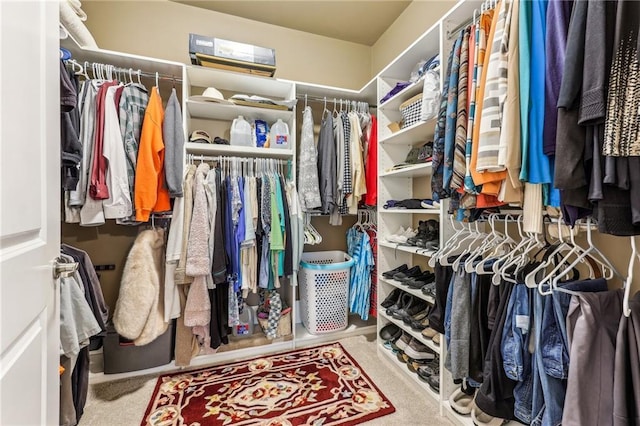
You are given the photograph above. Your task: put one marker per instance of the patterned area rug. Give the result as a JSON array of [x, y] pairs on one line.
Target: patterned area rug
[[313, 386]]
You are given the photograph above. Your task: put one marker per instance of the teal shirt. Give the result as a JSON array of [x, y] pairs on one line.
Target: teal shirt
[[524, 35]]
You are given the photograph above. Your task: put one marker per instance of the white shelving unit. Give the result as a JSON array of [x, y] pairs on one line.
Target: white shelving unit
[[409, 171], [197, 148], [406, 249], [225, 112], [435, 212], [420, 130], [417, 293]]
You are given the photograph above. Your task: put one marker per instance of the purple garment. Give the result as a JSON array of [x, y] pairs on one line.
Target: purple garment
[[399, 86], [558, 17]]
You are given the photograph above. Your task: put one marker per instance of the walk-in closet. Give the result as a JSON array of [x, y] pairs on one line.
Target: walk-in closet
[[319, 213]]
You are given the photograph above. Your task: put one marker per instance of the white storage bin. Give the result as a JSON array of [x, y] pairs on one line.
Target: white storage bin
[[324, 291]]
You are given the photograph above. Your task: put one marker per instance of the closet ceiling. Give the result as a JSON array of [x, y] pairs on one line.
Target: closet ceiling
[[360, 22]]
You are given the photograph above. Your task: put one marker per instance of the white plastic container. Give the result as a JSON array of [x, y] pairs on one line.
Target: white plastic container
[[247, 321], [280, 135], [241, 134]]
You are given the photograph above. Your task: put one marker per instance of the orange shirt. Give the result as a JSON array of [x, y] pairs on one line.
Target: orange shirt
[[490, 181], [150, 192]]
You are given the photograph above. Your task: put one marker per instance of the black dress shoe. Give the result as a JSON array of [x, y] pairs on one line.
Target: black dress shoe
[[410, 273], [401, 268], [391, 298], [421, 280]]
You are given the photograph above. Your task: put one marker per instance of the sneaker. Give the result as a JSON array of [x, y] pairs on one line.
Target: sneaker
[[431, 368], [393, 237], [403, 341], [419, 351], [430, 204], [401, 268]]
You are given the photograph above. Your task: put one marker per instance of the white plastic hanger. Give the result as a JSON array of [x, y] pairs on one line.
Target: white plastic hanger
[[626, 310]]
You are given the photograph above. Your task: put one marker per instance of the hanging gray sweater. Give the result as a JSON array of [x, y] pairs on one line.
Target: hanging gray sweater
[[173, 145]]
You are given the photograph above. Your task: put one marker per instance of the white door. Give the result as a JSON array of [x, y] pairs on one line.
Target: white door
[[29, 212]]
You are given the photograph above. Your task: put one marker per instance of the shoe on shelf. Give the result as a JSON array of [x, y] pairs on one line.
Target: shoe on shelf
[[390, 332], [436, 339], [401, 268], [422, 233], [403, 342], [403, 300], [429, 289], [480, 418], [408, 274], [401, 236], [420, 325], [429, 204], [416, 317], [420, 281], [434, 382], [431, 368], [429, 332], [461, 402], [414, 364], [428, 234], [412, 307], [419, 351], [391, 298]]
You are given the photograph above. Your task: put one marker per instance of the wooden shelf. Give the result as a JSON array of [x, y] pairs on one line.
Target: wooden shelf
[[225, 112], [419, 132], [418, 170], [402, 368], [417, 293], [212, 149], [416, 334], [408, 249]]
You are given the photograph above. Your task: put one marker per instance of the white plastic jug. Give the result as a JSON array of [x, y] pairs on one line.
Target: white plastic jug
[[280, 135], [241, 134], [247, 320]]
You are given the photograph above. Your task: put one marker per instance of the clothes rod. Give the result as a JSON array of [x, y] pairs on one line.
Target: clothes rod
[[128, 72], [460, 27], [327, 99], [217, 158]]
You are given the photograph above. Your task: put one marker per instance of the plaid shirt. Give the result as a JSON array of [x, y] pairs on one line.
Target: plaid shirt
[[133, 105]]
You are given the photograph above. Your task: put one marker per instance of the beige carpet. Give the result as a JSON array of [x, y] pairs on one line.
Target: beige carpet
[[124, 402]]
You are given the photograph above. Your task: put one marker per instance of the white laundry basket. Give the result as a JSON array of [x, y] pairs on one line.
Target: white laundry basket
[[324, 290]]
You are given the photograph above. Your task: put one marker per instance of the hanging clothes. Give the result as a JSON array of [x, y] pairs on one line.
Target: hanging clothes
[[151, 195], [359, 248], [308, 165]]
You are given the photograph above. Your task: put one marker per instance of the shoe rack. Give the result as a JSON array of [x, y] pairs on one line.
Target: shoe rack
[[409, 182]]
